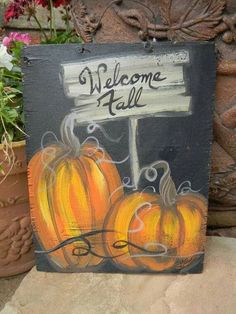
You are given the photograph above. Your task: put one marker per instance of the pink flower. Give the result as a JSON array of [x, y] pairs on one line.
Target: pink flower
[[6, 41], [15, 36]]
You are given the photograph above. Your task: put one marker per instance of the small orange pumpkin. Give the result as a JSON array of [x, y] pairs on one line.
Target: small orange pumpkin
[[156, 232], [70, 195]]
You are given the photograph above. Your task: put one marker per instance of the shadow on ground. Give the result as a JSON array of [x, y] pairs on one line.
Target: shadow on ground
[[8, 287]]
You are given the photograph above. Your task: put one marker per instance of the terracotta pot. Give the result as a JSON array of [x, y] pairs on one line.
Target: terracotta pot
[[223, 176], [16, 246]]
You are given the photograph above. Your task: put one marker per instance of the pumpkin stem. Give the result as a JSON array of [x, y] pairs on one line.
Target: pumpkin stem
[[167, 187], [68, 136]]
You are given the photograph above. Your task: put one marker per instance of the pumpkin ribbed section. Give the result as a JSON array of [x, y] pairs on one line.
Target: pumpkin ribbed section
[[149, 235], [70, 196]]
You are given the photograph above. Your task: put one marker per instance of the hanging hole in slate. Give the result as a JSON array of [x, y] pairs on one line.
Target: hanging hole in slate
[[27, 61], [148, 46], [84, 50]]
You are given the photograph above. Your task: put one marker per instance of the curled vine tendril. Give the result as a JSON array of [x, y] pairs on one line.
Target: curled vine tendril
[[93, 126], [99, 148], [185, 188]]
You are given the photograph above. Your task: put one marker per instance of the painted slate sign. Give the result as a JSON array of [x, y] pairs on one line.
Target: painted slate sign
[[119, 149]]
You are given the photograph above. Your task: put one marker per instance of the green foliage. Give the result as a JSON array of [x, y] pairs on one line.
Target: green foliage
[[11, 97], [11, 100], [67, 37]]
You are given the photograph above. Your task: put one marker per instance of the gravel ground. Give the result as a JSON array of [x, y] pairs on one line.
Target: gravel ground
[[8, 287]]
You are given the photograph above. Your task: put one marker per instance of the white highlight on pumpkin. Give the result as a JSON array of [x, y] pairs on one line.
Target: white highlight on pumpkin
[[147, 247], [164, 254], [49, 151], [141, 223]]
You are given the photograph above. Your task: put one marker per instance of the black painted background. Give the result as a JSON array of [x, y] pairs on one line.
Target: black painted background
[[182, 141]]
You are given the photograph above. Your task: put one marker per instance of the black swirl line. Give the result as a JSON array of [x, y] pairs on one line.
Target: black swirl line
[[69, 241], [87, 249], [121, 244]]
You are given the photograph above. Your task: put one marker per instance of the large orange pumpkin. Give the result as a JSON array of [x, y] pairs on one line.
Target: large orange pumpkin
[[156, 232], [70, 196]]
